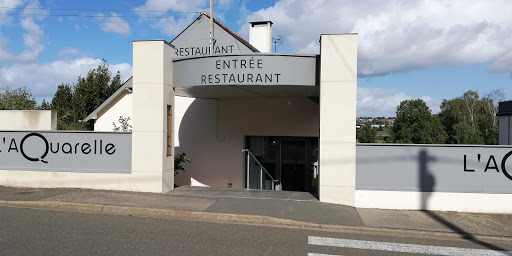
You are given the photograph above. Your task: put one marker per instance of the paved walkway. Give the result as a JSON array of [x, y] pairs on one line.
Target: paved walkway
[[266, 207]]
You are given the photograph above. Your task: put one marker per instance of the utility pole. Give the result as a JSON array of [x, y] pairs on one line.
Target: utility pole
[[211, 26]]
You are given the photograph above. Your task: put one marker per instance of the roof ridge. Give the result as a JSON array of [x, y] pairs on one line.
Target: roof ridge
[[241, 39]]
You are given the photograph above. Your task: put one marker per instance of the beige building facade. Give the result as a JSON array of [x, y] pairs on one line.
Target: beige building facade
[[284, 109]]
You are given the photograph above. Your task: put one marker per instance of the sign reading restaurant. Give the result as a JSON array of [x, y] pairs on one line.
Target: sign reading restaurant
[[203, 50], [245, 69]]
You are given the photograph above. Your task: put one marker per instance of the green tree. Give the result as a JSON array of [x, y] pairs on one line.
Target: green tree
[[437, 132], [489, 124], [62, 102], [94, 89], [17, 99], [471, 120], [414, 124], [125, 125], [366, 134], [74, 103], [45, 105]]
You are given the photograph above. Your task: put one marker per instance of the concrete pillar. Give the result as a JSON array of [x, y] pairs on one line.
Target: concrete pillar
[[505, 122], [152, 93], [338, 92], [505, 130]]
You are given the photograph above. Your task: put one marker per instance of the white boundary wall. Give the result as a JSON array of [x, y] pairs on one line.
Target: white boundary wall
[[467, 178], [435, 201], [152, 170], [43, 120]]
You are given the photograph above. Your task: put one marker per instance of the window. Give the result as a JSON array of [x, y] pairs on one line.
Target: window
[[169, 130]]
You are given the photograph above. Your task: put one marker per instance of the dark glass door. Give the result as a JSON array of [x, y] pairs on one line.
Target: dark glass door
[[293, 161], [294, 164]]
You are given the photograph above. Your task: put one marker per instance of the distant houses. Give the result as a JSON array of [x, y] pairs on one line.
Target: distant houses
[[376, 122]]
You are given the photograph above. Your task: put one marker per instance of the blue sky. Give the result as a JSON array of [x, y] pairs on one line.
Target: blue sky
[[429, 49]]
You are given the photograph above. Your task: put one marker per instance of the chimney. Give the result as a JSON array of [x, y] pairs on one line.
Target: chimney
[[260, 35]]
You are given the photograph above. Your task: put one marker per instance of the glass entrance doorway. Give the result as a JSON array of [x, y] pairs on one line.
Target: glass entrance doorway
[[291, 160]]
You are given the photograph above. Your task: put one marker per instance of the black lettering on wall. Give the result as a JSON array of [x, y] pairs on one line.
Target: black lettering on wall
[[465, 168], [110, 149], [56, 150], [69, 150], [495, 167], [13, 146], [86, 148], [503, 167]]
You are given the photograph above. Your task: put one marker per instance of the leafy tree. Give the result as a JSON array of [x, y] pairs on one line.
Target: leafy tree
[[367, 133], [414, 124], [63, 102], [45, 105], [17, 99], [489, 124], [471, 120], [93, 90], [125, 125], [179, 160], [437, 132], [74, 103]]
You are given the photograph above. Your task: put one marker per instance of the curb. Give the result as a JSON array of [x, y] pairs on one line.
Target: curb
[[234, 219]]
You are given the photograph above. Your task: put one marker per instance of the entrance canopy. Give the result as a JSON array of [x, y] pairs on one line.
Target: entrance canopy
[[246, 76]]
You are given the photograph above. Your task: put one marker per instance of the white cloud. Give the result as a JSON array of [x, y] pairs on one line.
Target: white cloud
[[33, 36], [5, 55], [401, 35], [43, 79], [5, 19], [171, 27], [173, 5], [115, 25], [33, 40], [224, 4], [383, 102], [71, 52]]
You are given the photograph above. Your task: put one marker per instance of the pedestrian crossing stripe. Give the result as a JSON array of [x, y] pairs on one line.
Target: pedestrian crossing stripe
[[401, 247]]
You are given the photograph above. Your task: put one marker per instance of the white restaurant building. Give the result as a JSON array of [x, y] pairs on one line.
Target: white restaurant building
[[229, 111], [249, 118]]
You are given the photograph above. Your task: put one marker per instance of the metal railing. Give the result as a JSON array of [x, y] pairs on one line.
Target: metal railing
[[261, 176]]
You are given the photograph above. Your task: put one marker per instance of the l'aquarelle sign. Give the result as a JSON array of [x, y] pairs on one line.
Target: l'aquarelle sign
[[66, 151]]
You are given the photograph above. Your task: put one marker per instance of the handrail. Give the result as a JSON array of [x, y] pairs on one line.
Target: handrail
[[258, 162], [249, 153]]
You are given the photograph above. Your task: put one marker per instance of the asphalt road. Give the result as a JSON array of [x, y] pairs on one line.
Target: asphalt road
[[40, 232]]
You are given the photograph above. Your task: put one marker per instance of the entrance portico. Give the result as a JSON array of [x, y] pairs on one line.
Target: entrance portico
[[214, 112]]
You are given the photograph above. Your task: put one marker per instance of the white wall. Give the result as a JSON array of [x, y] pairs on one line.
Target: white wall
[[28, 120], [121, 106], [212, 132], [437, 201]]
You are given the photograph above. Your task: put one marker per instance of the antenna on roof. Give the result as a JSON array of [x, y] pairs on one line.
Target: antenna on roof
[[277, 41], [211, 26]]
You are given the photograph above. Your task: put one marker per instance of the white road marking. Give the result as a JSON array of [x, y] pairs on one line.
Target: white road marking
[[399, 247], [319, 254]]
